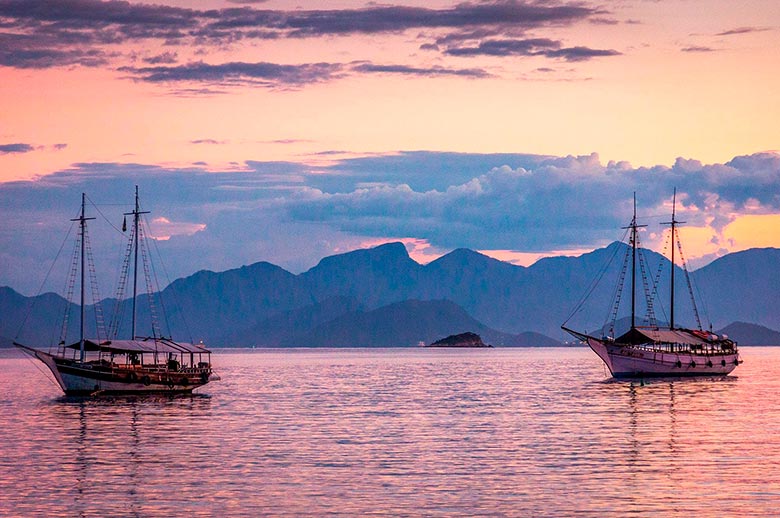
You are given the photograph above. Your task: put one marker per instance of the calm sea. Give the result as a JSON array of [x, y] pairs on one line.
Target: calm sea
[[398, 432]]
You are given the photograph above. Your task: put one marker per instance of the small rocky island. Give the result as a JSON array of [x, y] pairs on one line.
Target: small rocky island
[[461, 340]]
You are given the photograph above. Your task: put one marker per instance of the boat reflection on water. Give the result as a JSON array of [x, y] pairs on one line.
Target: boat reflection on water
[[120, 442]]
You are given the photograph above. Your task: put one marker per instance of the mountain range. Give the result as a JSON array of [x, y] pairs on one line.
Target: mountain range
[[381, 297]]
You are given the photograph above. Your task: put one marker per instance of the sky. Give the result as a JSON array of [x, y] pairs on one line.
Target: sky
[[289, 131]]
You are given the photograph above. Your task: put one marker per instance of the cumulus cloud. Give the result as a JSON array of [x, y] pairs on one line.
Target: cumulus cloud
[[293, 214], [555, 203]]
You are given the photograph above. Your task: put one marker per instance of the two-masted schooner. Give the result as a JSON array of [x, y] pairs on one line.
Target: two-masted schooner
[[104, 365], [654, 351]]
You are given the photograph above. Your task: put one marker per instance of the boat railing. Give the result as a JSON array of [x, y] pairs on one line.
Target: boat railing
[[698, 349]]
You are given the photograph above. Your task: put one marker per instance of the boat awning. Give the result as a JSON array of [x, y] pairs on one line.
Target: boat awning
[[140, 346], [640, 335]]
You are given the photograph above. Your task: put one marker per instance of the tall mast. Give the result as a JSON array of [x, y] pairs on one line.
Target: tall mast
[[673, 224], [83, 224], [136, 216], [633, 226]]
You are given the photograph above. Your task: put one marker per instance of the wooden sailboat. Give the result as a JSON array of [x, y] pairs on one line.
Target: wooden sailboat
[[95, 366], [648, 351]]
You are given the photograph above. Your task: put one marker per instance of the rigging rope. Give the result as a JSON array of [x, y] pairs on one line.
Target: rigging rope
[[688, 280], [594, 283]]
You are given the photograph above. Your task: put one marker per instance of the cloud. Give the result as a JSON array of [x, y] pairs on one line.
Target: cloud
[[530, 47], [15, 148], [272, 75], [93, 33], [742, 30], [163, 229], [558, 203], [209, 141], [259, 74], [698, 48], [293, 214], [370, 68], [164, 58]]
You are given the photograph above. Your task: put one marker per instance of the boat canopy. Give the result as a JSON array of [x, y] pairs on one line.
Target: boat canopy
[[148, 345], [643, 335]]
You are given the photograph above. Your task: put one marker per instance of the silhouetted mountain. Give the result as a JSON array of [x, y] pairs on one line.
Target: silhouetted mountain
[[281, 329], [375, 276], [402, 324], [743, 286], [262, 304], [751, 334]]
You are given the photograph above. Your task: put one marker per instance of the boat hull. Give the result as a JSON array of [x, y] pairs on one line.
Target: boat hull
[[626, 361], [77, 379]]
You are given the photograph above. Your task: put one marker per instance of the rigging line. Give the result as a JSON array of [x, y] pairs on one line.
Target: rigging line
[[594, 283], [703, 302], [157, 281], [657, 279], [43, 371], [104, 216], [176, 303], [45, 279], [611, 319]]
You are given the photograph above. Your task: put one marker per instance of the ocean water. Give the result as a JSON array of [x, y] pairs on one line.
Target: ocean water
[[398, 432]]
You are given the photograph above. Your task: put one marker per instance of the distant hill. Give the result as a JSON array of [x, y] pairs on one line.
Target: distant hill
[[751, 334], [371, 296]]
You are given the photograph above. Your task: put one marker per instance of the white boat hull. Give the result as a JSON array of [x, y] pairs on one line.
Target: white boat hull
[[626, 361], [78, 379]]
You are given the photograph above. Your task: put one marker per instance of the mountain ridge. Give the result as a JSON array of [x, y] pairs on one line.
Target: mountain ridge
[[265, 300]]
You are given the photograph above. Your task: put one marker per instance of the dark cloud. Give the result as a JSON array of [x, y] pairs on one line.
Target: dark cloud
[[59, 147], [26, 51], [262, 74], [15, 148], [273, 75], [50, 33], [581, 53], [530, 47]]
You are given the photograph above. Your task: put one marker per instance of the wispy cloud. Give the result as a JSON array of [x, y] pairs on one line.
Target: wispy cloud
[[531, 47], [208, 141], [420, 71], [698, 48], [263, 74], [742, 30]]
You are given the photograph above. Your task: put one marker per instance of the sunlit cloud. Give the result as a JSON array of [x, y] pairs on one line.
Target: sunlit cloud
[[163, 229]]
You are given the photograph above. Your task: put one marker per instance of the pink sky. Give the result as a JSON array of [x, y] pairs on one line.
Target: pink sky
[[632, 80]]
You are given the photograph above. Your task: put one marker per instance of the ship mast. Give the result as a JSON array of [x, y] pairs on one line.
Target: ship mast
[[136, 216], [633, 226], [83, 224], [673, 224]]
